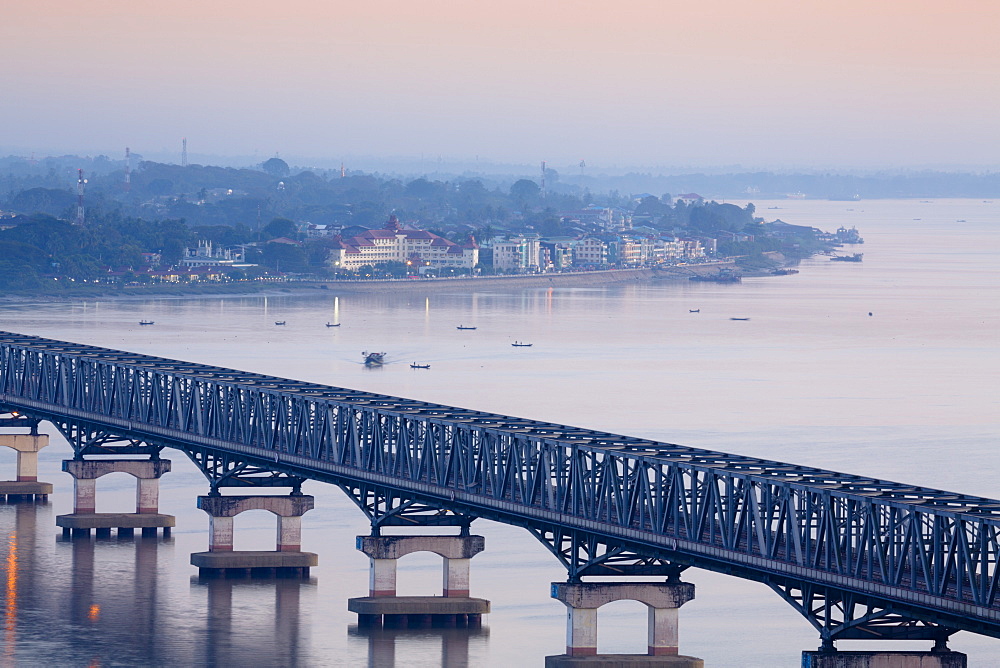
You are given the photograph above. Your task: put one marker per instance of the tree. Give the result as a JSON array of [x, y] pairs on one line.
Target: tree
[[285, 258], [524, 190], [280, 227], [275, 167]]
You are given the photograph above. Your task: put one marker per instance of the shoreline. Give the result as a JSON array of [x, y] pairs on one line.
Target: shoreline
[[581, 279]]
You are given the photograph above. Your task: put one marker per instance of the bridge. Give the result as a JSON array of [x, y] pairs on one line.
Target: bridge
[[858, 557]]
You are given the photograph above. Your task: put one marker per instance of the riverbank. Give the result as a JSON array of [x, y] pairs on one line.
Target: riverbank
[[576, 279], [465, 284]]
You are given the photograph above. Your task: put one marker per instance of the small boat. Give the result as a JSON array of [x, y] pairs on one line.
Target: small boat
[[373, 359], [145, 322], [739, 318], [694, 310], [518, 344], [420, 366], [279, 322], [330, 324], [848, 258], [464, 327]]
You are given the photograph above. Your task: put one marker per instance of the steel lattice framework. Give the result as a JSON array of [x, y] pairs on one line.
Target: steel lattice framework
[[859, 557]]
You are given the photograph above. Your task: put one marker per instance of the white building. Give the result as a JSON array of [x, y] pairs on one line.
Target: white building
[[520, 254], [394, 243]]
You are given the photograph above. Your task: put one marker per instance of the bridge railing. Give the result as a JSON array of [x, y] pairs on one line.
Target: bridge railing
[[928, 547]]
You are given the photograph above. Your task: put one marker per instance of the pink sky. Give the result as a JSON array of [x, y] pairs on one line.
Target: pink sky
[[768, 83]]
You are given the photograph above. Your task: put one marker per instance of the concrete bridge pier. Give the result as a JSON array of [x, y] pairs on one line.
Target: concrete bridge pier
[[287, 560], [85, 517], [936, 658], [26, 487], [454, 608], [582, 599]]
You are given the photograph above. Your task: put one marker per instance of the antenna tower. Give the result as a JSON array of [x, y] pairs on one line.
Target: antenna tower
[[128, 170], [184, 152], [543, 178], [342, 172], [80, 181]]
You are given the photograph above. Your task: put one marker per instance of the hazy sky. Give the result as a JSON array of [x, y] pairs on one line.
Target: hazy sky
[[761, 83]]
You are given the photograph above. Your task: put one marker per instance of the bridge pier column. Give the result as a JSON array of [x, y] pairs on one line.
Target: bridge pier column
[[582, 600], [26, 486], [85, 517], [453, 608], [287, 559]]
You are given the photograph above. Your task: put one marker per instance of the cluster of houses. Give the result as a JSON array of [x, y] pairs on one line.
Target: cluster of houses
[[531, 253]]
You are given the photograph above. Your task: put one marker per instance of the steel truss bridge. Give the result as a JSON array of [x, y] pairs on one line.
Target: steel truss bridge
[[858, 557]]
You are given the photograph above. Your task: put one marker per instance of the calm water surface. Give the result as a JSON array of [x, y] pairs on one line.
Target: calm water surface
[[908, 393]]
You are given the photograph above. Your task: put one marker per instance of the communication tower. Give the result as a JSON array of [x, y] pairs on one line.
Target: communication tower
[[543, 178], [184, 152], [128, 170], [342, 172], [80, 182]]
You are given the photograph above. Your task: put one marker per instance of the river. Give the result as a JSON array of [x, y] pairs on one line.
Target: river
[[885, 368]]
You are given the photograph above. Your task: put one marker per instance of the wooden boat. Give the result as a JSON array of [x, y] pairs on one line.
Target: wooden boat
[[739, 318], [518, 344], [420, 366], [464, 327], [330, 324], [145, 322], [279, 322]]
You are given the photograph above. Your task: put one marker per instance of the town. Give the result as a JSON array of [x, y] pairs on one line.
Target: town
[[130, 228]]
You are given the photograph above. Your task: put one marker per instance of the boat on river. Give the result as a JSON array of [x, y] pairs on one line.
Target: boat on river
[[722, 276], [146, 322], [694, 310], [279, 323], [739, 318], [373, 359], [518, 344], [464, 327], [420, 366], [330, 324]]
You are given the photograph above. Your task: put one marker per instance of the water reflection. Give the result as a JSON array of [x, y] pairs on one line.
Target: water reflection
[[108, 589], [278, 644], [383, 644]]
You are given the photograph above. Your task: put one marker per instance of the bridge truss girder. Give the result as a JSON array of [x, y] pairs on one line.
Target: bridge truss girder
[[584, 554], [839, 615], [92, 439], [387, 507], [223, 469]]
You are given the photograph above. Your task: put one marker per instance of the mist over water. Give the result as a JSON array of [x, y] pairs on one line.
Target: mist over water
[[908, 393]]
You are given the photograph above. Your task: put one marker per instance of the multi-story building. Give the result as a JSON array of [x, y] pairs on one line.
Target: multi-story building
[[518, 254], [590, 252], [394, 243]]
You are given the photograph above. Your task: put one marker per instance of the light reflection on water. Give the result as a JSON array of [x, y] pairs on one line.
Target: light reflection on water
[[907, 394]]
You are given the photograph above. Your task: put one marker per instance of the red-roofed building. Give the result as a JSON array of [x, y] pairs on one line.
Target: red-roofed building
[[394, 243]]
